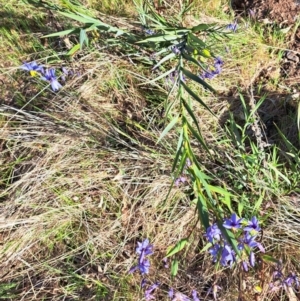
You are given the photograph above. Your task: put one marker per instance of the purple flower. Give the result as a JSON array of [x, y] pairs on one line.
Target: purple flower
[[252, 259], [214, 251], [143, 282], [194, 295], [245, 265], [176, 50], [232, 26], [171, 293], [228, 256], [33, 68], [250, 241], [165, 261], [144, 248], [49, 75], [291, 279], [181, 179], [149, 291], [233, 223], [252, 225], [213, 232]]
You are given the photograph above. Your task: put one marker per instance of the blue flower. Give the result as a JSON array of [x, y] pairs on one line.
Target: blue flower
[[233, 26], [194, 295], [228, 256], [214, 251], [233, 223], [291, 279], [33, 68], [252, 259], [49, 75], [143, 249], [213, 232], [252, 225], [149, 291]]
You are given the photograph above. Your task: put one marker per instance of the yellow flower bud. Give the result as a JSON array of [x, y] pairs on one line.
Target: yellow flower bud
[[205, 53], [33, 73]]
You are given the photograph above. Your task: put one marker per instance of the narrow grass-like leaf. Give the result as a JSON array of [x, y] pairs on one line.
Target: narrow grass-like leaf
[[202, 179], [278, 173], [203, 211], [197, 79], [178, 247], [190, 111], [168, 128], [196, 97], [202, 27], [191, 59], [174, 267], [197, 135], [160, 38], [178, 150], [164, 59], [196, 40], [61, 33], [73, 50], [159, 77], [83, 38], [82, 18], [270, 259], [258, 203]]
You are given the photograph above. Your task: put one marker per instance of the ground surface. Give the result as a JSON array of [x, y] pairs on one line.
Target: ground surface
[[282, 13]]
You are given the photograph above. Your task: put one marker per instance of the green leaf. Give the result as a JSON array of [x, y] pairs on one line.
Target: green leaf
[[159, 77], [164, 59], [160, 38], [73, 49], [168, 128], [202, 178], [83, 38], [191, 59], [240, 208], [197, 79], [178, 151], [178, 247], [174, 267], [196, 97], [202, 27], [258, 202], [203, 211], [190, 111], [196, 40], [61, 33], [81, 18], [269, 258], [197, 135], [203, 250]]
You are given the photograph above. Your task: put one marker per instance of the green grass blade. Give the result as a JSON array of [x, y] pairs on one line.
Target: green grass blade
[[197, 79], [164, 59], [168, 128], [196, 97]]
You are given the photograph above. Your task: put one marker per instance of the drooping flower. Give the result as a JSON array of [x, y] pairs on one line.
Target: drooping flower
[[33, 68], [49, 75], [195, 295], [233, 223], [291, 279], [149, 291], [252, 259]]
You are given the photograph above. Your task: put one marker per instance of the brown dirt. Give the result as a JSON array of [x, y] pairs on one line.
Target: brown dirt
[[284, 13]]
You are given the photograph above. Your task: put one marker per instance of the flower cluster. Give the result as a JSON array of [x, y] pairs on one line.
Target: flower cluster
[[144, 249], [47, 74], [281, 281], [245, 233], [215, 70]]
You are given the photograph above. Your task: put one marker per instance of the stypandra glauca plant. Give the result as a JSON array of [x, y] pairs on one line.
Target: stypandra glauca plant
[[184, 57]]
